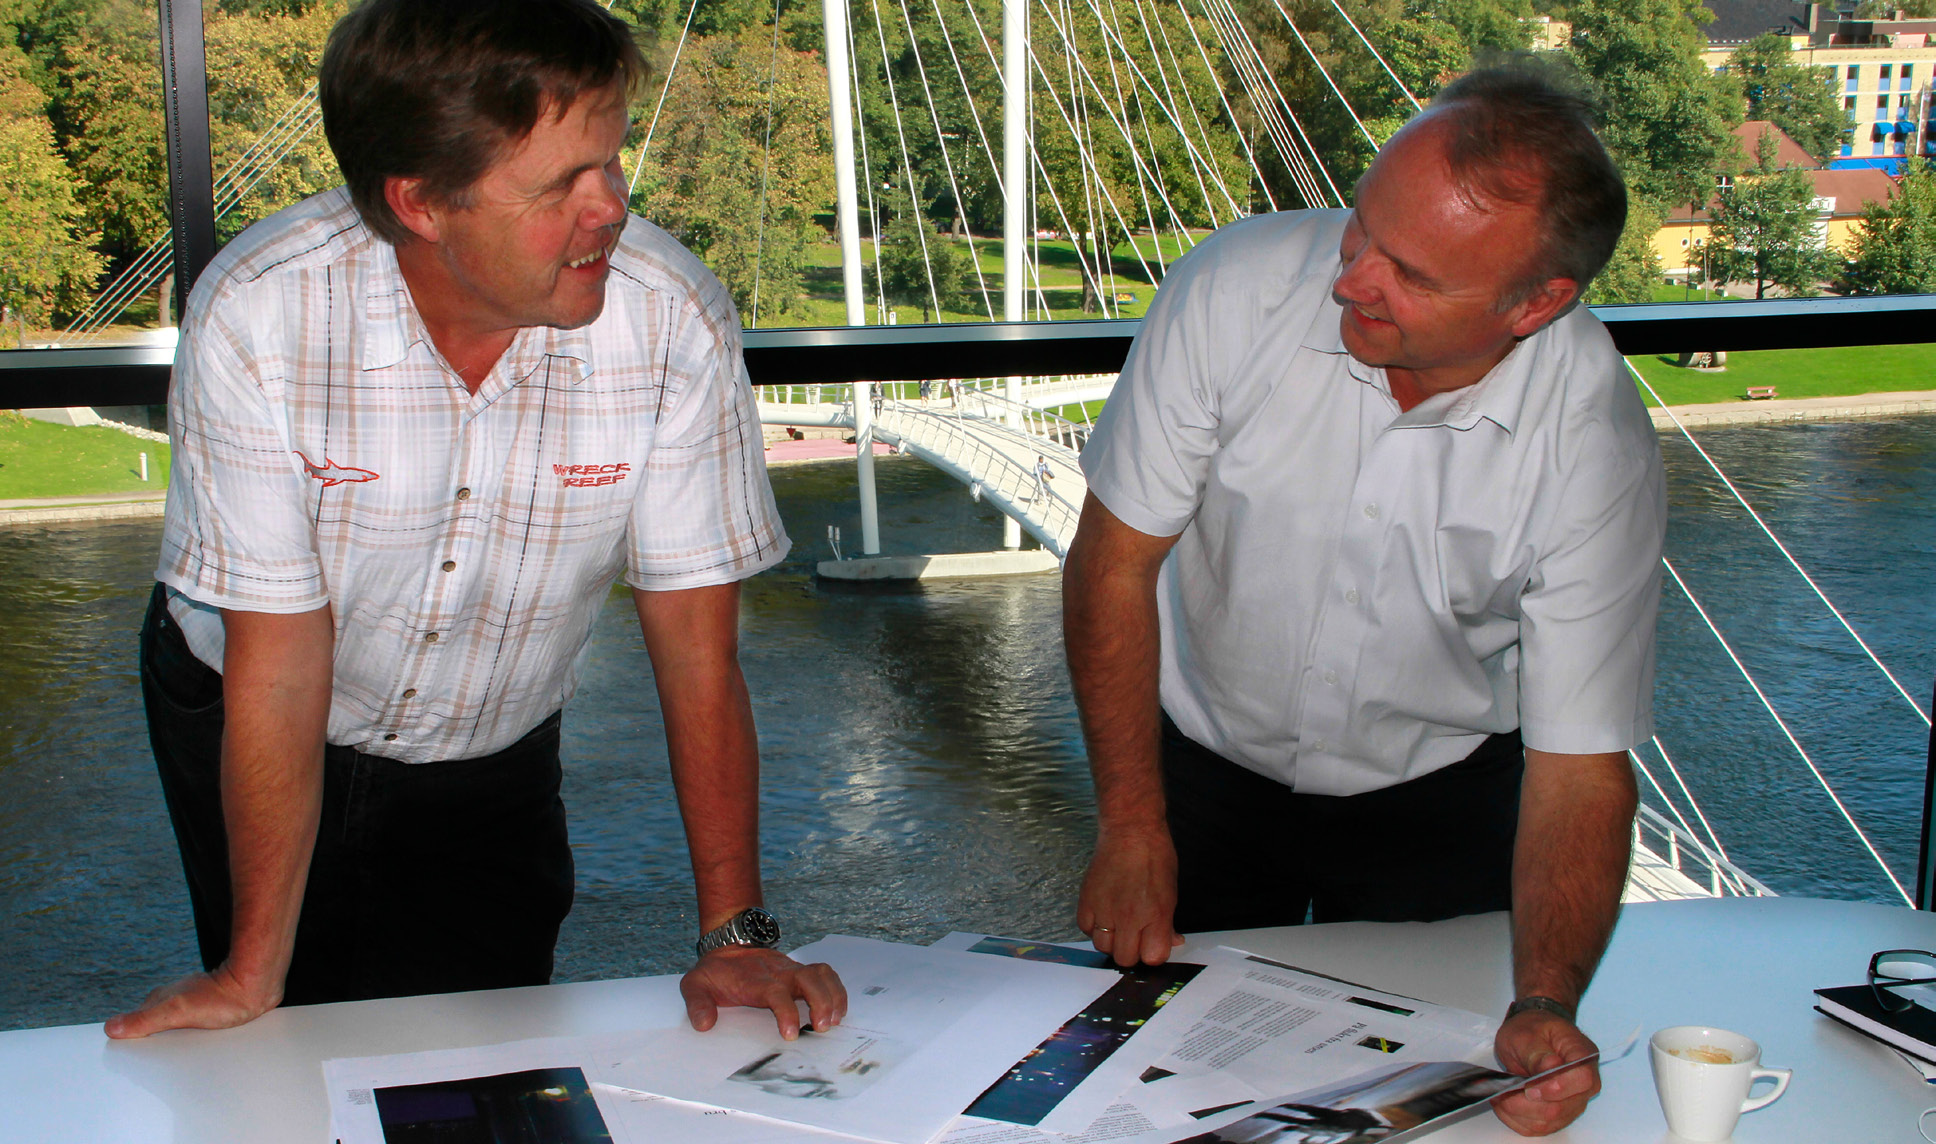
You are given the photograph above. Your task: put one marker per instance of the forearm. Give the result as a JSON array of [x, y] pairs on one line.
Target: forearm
[[276, 694], [716, 774], [1109, 624], [693, 638], [1569, 869]]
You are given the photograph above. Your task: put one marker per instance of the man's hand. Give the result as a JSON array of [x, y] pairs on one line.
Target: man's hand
[[1533, 1042], [214, 1000], [1128, 902], [763, 979]]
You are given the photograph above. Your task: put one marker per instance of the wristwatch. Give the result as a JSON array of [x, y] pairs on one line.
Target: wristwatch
[[1527, 1004], [754, 927]]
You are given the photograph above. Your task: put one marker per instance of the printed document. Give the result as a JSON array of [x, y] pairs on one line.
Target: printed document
[[926, 1032], [1247, 1027]]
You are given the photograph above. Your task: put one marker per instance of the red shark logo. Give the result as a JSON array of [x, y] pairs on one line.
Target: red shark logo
[[331, 473]]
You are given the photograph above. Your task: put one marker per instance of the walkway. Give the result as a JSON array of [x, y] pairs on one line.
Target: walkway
[[978, 436]]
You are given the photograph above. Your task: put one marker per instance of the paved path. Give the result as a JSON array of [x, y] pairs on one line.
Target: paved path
[[1780, 410]]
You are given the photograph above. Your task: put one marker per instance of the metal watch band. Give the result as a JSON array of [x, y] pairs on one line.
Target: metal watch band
[[1525, 1004], [753, 927]]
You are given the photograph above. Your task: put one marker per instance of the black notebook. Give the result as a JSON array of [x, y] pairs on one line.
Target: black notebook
[[1913, 1030]]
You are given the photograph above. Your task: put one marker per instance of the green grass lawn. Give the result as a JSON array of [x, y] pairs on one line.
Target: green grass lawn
[[41, 459], [1840, 372]]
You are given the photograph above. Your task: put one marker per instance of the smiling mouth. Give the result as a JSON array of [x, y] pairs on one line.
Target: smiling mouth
[[594, 256]]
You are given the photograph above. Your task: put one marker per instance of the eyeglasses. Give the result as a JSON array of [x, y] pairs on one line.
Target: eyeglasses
[[1894, 969]]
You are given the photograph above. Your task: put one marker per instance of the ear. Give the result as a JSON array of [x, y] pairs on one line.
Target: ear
[[416, 210], [1549, 301]]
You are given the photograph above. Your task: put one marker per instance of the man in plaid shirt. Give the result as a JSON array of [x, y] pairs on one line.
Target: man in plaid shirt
[[421, 425]]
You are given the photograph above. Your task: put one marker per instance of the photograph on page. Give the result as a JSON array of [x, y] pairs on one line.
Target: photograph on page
[[835, 1065]]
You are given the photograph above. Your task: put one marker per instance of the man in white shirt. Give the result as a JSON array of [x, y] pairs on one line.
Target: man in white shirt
[[1371, 502], [421, 425]]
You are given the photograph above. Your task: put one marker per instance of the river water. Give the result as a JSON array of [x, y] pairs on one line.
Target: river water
[[923, 765]]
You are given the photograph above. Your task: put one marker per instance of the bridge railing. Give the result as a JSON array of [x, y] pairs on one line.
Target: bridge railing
[[1688, 854], [1039, 424], [962, 444]]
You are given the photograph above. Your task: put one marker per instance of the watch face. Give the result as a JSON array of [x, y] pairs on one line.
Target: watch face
[[758, 927]]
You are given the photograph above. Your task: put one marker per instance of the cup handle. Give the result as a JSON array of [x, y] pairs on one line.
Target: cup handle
[[1779, 1076]]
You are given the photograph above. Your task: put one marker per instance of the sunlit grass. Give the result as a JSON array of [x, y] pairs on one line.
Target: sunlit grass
[[41, 459]]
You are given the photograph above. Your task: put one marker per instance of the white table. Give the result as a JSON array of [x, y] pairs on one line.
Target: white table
[[1743, 964]]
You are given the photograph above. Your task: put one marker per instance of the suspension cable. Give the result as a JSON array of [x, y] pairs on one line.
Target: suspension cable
[[1223, 98], [1270, 77], [947, 162], [1405, 91], [1170, 101], [907, 163], [766, 162], [1691, 800], [867, 176], [1319, 64], [1129, 59], [1679, 817], [671, 71], [1796, 564], [1243, 54], [1792, 741]]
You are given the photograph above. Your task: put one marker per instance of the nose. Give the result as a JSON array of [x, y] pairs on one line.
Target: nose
[[607, 202], [1358, 279]]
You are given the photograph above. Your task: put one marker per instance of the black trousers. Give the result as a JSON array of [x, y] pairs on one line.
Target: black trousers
[[427, 878], [1252, 852]]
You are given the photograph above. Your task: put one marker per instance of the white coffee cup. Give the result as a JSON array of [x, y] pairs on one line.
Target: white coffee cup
[[1703, 1076]]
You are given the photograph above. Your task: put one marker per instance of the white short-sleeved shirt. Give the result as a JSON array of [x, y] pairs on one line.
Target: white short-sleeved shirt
[[324, 453], [1359, 596]]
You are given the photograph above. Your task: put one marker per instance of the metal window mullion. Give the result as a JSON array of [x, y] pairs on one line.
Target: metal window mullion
[[191, 181]]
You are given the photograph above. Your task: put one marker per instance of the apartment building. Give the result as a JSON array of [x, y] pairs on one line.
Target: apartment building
[[1881, 68]]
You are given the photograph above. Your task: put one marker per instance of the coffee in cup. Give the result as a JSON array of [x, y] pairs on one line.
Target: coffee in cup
[[1704, 1076]]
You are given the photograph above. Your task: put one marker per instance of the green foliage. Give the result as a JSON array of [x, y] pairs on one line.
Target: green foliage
[[1796, 98], [1634, 270], [1667, 118], [46, 263], [919, 267], [1895, 243], [1765, 230], [715, 145]]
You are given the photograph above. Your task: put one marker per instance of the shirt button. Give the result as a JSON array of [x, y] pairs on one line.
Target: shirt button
[[450, 565], [1331, 677], [1318, 746], [390, 738], [1351, 595], [431, 638], [1371, 511], [409, 693], [463, 494]]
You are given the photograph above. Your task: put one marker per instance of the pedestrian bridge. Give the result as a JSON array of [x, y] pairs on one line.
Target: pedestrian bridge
[[988, 441]]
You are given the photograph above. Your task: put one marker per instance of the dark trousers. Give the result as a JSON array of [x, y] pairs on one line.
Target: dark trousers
[[427, 878], [1252, 852]]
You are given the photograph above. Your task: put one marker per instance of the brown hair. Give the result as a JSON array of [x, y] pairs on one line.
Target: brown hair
[[438, 89], [1520, 133]]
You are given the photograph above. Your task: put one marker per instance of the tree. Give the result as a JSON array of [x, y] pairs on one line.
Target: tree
[[46, 263], [1895, 243], [1765, 230], [1667, 118], [919, 267], [1796, 98], [741, 162], [1631, 273]]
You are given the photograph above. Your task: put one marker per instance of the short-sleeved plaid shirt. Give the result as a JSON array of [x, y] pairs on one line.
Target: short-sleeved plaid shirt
[[325, 453]]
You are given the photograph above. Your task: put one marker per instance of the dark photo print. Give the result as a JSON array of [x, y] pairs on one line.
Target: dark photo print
[[538, 1106]]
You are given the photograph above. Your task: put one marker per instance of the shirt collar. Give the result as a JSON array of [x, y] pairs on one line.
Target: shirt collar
[[1498, 397], [392, 327]]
